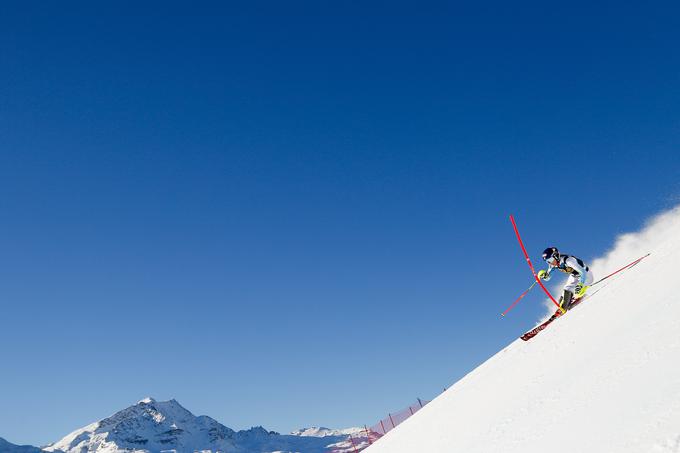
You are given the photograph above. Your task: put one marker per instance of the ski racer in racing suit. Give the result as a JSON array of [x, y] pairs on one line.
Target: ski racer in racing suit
[[579, 278]]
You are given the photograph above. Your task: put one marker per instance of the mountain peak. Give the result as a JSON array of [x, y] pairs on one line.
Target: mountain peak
[[154, 426], [148, 425]]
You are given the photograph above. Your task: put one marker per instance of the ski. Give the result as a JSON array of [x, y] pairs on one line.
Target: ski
[[533, 332]]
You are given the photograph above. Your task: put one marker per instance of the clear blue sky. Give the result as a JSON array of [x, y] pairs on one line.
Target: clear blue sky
[[290, 214]]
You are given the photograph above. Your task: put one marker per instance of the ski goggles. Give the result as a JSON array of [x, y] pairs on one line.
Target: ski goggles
[[551, 260]]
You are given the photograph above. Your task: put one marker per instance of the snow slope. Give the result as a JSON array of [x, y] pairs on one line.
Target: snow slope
[[604, 378], [156, 426]]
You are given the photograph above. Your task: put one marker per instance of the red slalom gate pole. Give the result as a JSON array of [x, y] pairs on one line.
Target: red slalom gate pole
[[368, 435], [631, 264], [353, 445], [518, 299], [531, 266]]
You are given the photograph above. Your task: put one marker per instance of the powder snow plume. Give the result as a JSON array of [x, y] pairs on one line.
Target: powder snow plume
[[603, 378], [627, 248], [654, 237]]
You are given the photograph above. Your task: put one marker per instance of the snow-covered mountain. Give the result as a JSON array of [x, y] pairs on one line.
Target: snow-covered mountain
[[604, 378], [315, 431], [7, 447], [359, 438], [160, 426]]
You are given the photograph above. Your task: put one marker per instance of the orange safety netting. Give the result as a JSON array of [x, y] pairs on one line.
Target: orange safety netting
[[358, 442]]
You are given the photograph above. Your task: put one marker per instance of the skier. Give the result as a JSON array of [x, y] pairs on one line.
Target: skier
[[579, 279]]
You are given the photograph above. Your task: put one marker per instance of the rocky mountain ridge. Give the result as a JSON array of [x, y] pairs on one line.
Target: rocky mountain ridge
[[152, 426]]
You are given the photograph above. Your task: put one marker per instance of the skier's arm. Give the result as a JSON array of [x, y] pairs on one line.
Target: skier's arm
[[545, 275]]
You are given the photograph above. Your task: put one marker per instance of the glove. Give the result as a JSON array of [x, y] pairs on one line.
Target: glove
[[543, 275]]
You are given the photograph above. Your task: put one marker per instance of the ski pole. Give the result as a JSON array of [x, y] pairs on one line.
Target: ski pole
[[631, 264], [519, 298]]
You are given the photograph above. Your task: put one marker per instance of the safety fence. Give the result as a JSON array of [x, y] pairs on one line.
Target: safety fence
[[361, 440]]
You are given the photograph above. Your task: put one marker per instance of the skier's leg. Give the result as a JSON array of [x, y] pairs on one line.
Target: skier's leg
[[572, 281], [566, 299], [581, 289], [569, 290], [589, 278]]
